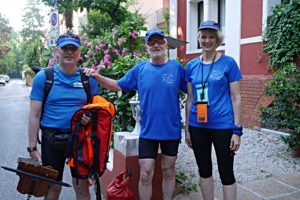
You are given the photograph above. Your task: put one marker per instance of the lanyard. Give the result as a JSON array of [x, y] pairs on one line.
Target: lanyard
[[203, 83]]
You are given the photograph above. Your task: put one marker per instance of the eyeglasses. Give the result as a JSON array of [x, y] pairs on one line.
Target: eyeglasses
[[69, 48], [152, 42]]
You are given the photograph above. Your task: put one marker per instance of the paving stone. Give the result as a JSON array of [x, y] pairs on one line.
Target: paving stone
[[293, 196], [268, 187], [292, 179]]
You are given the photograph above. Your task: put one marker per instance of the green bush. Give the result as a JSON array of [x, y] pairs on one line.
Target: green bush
[[281, 41], [281, 37]]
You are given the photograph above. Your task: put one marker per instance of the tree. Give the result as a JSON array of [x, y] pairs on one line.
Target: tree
[[5, 30], [32, 21], [5, 35]]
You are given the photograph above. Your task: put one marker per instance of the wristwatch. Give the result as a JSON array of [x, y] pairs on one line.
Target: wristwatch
[[31, 149]]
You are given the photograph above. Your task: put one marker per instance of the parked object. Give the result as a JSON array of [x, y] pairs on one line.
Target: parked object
[[118, 189], [2, 80], [7, 78]]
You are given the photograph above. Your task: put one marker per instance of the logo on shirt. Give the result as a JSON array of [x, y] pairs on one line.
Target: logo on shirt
[[216, 75], [168, 78], [78, 85]]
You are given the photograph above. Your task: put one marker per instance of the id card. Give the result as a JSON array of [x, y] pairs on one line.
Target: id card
[[202, 112], [202, 94]]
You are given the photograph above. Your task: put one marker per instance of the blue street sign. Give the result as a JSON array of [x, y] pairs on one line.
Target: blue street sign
[[53, 2], [54, 19]]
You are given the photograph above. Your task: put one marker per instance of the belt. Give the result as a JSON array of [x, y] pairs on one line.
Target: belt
[[55, 130]]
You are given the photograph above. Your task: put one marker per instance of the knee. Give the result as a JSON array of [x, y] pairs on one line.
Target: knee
[[81, 189], [168, 173], [228, 180], [146, 176], [53, 192]]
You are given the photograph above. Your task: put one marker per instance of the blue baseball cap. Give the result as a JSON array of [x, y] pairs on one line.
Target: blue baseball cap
[[154, 31], [66, 39], [209, 25]]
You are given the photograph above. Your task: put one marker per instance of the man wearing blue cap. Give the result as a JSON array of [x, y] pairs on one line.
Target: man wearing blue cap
[[66, 96], [158, 82]]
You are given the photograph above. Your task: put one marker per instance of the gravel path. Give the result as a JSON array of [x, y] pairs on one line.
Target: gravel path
[[261, 155]]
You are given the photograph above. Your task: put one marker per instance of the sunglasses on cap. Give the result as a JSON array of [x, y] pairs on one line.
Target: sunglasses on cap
[[69, 35]]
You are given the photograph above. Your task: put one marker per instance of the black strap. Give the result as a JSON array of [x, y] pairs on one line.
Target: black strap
[[97, 187], [47, 87], [86, 86]]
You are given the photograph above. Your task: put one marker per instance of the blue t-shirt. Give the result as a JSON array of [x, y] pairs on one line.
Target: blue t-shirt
[[66, 96], [220, 112], [158, 87]]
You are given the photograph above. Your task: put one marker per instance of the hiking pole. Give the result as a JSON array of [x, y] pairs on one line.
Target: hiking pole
[[36, 176]]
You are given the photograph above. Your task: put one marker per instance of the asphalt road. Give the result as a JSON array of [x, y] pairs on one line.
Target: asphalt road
[[14, 110]]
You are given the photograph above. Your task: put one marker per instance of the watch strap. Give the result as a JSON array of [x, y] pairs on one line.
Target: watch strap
[[31, 149]]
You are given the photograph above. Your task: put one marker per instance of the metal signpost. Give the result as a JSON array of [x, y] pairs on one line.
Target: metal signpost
[[54, 23]]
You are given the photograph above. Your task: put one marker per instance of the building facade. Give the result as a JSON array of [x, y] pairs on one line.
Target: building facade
[[242, 22]]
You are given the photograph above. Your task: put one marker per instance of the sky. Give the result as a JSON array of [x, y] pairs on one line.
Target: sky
[[13, 11]]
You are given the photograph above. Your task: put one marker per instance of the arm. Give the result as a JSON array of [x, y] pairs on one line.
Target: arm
[[108, 83], [236, 101], [236, 106], [33, 127], [189, 101]]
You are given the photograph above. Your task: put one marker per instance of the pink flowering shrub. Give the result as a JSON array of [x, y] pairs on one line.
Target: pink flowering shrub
[[103, 50]]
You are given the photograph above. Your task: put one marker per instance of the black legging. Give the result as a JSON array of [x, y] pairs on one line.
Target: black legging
[[202, 140]]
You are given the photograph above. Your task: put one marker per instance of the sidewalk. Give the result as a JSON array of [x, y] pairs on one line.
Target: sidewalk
[[286, 187]]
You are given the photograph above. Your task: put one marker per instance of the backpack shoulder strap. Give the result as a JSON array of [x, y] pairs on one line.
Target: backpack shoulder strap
[[86, 86], [49, 82]]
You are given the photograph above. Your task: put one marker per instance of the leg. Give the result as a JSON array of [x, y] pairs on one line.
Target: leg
[[146, 175], [147, 154], [169, 149], [53, 192], [202, 143], [56, 160], [81, 189], [207, 188], [230, 192], [225, 159], [168, 184]]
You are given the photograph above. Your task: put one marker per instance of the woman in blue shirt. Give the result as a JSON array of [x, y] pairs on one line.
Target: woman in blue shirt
[[213, 111]]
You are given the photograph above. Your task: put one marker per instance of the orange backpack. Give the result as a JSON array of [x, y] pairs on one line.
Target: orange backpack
[[90, 144]]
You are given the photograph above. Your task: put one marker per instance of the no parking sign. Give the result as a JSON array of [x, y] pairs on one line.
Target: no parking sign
[[54, 27]]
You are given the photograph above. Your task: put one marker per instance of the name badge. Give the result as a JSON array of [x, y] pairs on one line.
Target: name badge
[[202, 94], [78, 85]]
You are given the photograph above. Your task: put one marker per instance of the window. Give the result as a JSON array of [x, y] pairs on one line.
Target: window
[[221, 15], [270, 5]]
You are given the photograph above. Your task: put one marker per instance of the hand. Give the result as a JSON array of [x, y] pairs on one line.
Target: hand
[[235, 142], [90, 72], [188, 138], [36, 156], [85, 119]]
